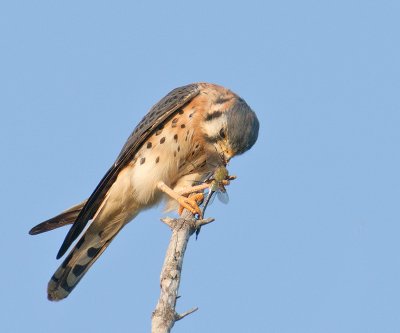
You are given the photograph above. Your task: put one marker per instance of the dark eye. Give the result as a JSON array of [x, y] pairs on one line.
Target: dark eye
[[222, 133]]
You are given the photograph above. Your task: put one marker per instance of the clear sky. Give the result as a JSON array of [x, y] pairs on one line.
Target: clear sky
[[309, 241]]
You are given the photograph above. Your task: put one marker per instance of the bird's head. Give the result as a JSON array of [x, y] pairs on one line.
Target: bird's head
[[231, 130]]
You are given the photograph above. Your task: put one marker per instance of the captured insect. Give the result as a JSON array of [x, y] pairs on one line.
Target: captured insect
[[217, 186], [217, 181]]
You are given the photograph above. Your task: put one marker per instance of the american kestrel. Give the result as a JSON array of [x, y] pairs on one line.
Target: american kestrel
[[183, 138]]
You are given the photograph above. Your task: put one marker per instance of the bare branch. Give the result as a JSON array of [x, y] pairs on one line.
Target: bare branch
[[200, 223], [169, 222], [186, 313], [164, 316]]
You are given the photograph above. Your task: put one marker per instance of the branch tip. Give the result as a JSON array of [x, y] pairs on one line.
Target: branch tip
[[200, 223], [168, 221], [183, 315]]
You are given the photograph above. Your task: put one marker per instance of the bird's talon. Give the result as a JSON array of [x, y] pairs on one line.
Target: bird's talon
[[191, 204]]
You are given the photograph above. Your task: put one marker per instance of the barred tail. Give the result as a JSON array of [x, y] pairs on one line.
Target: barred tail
[[76, 264]]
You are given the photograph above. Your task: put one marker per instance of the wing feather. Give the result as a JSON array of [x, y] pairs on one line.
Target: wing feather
[[161, 111], [66, 217]]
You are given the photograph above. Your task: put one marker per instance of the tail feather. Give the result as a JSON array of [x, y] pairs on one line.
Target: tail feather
[[115, 212], [77, 263], [66, 217]]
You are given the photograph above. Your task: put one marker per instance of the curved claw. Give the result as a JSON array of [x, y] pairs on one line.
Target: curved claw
[[191, 204]]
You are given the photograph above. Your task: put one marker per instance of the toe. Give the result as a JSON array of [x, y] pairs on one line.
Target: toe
[[189, 204]]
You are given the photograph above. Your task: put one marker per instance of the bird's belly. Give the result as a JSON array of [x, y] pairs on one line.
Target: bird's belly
[[160, 158], [161, 163]]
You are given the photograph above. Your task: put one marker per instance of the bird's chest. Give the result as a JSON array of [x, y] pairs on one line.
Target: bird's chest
[[163, 157]]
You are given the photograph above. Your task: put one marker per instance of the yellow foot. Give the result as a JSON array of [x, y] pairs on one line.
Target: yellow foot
[[191, 204]]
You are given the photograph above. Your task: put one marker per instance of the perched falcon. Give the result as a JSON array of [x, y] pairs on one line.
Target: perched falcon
[[182, 139]]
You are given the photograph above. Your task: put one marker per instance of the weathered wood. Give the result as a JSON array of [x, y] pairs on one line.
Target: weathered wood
[[164, 316]]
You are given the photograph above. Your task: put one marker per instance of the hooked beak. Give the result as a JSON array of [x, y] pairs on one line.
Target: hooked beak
[[228, 154]]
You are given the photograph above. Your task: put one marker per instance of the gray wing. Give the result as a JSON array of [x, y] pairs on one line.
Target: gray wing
[[160, 112]]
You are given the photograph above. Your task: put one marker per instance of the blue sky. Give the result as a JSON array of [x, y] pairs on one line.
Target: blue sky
[[309, 241]]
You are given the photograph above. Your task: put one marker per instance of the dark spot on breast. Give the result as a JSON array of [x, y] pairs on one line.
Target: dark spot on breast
[[162, 140], [197, 146], [192, 113], [179, 148], [149, 145], [174, 122], [176, 137], [158, 159], [180, 111], [142, 160], [174, 153], [183, 126]]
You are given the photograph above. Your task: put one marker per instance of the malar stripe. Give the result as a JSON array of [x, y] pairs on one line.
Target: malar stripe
[[214, 115]]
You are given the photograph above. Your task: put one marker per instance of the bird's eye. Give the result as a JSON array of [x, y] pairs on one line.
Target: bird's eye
[[222, 133]]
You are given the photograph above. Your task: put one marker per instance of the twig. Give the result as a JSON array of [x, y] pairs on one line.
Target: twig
[[183, 315], [164, 316]]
